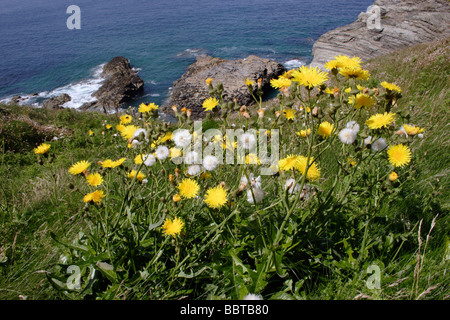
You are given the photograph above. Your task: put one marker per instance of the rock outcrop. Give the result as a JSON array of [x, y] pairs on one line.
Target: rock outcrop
[[56, 102], [402, 23], [191, 90], [121, 85]]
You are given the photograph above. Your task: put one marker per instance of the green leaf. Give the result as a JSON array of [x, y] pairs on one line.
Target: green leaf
[[70, 245], [107, 269], [157, 224], [182, 274]]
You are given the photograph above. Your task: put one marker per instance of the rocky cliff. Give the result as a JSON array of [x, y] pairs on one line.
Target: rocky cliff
[[402, 23], [121, 85], [191, 90]]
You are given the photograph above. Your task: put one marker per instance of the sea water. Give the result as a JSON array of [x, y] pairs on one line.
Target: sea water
[[41, 57]]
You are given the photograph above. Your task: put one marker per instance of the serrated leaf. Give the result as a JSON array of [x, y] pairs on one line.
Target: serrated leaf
[[107, 269], [182, 274]]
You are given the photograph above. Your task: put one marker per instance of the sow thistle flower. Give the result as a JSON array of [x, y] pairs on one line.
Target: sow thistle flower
[[173, 227], [355, 73], [95, 196], [210, 103], [342, 61], [393, 176], [188, 188], [125, 119], [325, 129], [146, 108], [94, 179], [313, 170], [288, 163], [289, 114], [281, 82], [411, 130], [79, 167], [139, 175], [304, 133], [108, 163], [127, 132], [399, 155], [391, 87], [216, 197], [361, 100], [309, 77], [249, 83], [42, 148], [379, 120]]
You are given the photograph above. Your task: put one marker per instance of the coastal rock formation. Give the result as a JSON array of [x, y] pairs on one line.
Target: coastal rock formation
[[56, 102], [121, 84], [402, 24], [191, 90]]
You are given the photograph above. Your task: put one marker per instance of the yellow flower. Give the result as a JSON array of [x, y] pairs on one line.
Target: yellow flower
[[145, 108], [120, 127], [393, 176], [175, 152], [108, 163], [304, 133], [313, 170], [208, 81], [210, 103], [108, 126], [125, 119], [216, 197], [332, 64], [94, 179], [329, 91], [128, 131], [139, 175], [288, 163], [91, 132], [138, 159], [42, 148], [361, 100], [355, 73], [280, 83], [188, 188], [289, 114], [173, 227], [95, 196], [379, 120], [412, 130], [176, 198], [391, 87], [205, 175], [79, 167], [325, 129], [351, 162], [252, 158], [166, 137], [347, 62], [399, 155], [309, 77], [249, 83]]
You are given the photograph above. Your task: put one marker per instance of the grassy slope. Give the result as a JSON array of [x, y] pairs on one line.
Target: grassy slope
[[422, 72], [36, 199]]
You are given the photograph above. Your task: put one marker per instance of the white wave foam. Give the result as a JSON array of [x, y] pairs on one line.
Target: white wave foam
[[292, 64], [195, 52], [80, 91]]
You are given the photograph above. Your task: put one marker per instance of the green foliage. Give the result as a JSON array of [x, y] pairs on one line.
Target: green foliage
[[321, 242]]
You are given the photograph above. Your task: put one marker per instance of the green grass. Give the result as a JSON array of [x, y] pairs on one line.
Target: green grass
[[39, 198]]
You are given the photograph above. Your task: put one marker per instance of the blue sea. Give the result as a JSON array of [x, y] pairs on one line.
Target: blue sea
[[41, 57]]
